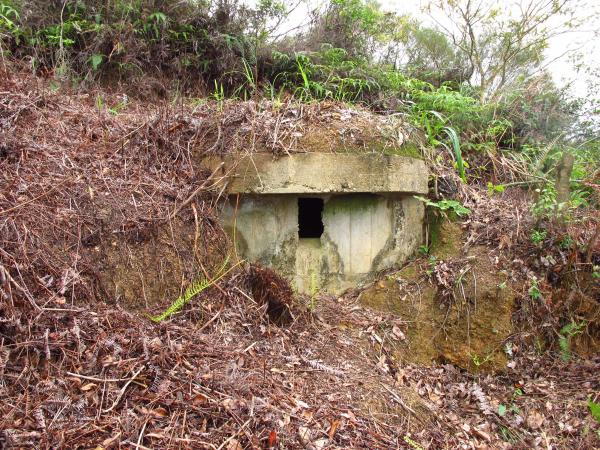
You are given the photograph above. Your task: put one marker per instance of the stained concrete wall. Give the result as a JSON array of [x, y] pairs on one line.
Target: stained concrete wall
[[319, 173], [363, 233], [371, 220], [264, 229]]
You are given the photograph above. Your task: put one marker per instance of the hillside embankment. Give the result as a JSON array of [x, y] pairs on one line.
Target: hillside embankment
[[105, 219]]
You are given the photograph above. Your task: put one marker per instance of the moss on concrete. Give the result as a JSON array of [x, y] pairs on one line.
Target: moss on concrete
[[347, 204], [409, 149]]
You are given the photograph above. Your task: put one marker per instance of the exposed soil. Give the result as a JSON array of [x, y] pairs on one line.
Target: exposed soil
[[470, 333]]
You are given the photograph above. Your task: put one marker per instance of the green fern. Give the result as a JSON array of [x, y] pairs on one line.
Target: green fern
[[565, 348], [594, 409], [566, 334], [194, 289]]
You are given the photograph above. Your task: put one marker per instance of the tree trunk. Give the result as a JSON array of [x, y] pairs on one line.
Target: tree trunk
[[563, 178]]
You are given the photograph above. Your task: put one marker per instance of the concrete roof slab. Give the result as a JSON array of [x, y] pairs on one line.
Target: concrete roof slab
[[314, 173]]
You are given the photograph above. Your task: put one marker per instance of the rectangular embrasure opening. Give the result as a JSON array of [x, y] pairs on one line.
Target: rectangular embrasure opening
[[310, 217]]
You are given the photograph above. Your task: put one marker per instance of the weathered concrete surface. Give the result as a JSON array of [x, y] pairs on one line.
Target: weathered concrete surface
[[317, 173], [264, 229], [363, 233], [370, 219]]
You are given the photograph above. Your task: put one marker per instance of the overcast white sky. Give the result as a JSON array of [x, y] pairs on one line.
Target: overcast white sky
[[585, 40]]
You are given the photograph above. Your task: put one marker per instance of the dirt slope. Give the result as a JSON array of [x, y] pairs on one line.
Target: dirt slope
[[104, 219]]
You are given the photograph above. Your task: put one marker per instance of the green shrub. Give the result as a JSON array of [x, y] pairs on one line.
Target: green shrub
[[190, 41]]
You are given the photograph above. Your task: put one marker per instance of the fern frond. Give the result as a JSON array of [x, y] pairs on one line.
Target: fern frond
[[191, 291]]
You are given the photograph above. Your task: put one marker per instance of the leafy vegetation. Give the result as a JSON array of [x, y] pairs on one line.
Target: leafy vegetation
[[534, 290], [566, 335], [452, 207], [538, 237], [594, 411]]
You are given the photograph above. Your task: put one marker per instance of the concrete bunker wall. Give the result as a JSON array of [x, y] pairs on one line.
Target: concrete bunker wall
[[369, 219], [362, 234]]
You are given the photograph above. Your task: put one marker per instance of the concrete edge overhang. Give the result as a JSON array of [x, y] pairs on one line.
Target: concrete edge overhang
[[318, 173]]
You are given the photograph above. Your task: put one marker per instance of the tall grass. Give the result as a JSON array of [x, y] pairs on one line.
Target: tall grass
[[248, 86]]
